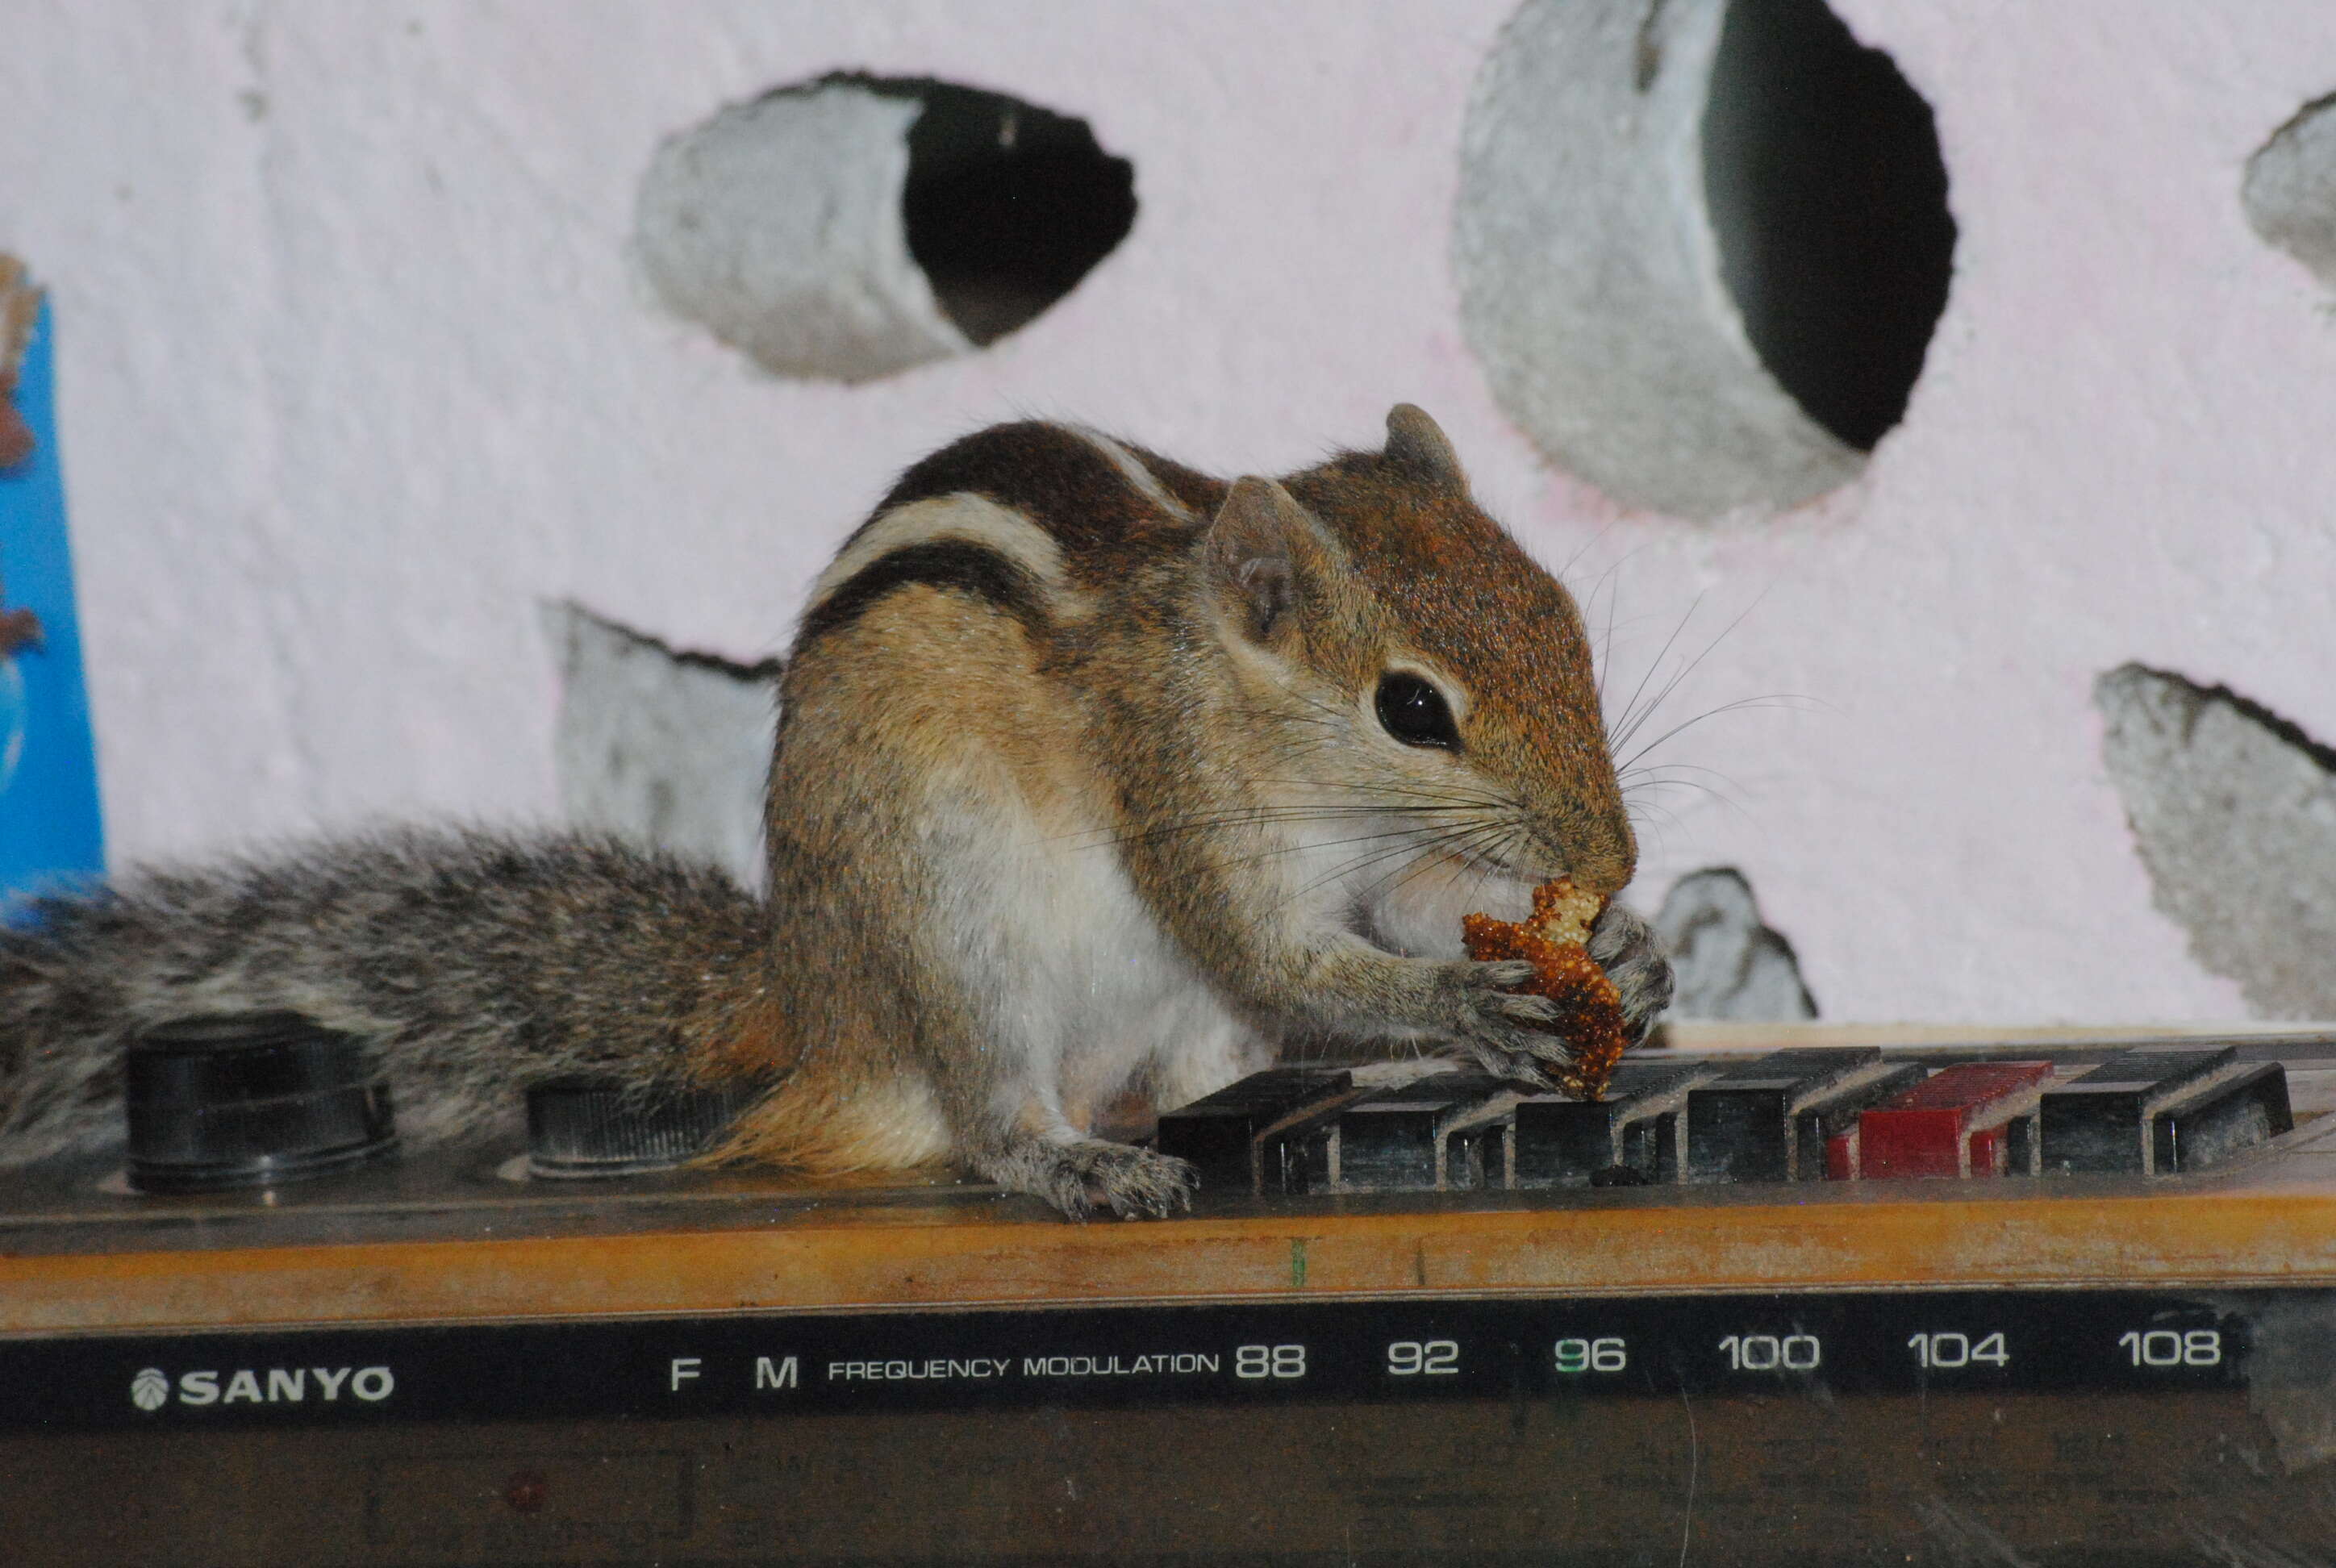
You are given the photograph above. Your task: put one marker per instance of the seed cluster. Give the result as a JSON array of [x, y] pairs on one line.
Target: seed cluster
[[1589, 1010]]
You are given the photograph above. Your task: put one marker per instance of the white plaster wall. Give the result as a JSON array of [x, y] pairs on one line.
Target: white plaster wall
[[354, 373]]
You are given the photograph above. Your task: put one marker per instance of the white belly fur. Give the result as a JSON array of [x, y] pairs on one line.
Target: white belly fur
[[1079, 981], [1083, 990]]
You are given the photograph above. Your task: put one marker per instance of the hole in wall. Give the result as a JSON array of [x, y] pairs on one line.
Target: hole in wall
[[2233, 809], [1007, 205], [661, 746], [1701, 245], [2290, 190], [1725, 962], [1828, 198], [855, 226]]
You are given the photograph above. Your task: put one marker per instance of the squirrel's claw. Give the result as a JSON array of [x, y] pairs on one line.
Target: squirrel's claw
[[1626, 947]]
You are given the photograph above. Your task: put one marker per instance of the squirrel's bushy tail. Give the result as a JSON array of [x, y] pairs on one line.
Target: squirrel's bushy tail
[[476, 964]]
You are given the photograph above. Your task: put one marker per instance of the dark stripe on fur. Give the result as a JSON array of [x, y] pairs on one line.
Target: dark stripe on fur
[[956, 565], [1064, 484], [1194, 488]]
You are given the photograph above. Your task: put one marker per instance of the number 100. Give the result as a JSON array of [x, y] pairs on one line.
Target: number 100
[[1767, 1352]]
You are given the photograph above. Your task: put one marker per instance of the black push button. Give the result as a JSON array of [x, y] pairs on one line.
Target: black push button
[[1223, 1135], [2221, 1120], [2101, 1121], [1744, 1125], [1567, 1142], [1392, 1140]]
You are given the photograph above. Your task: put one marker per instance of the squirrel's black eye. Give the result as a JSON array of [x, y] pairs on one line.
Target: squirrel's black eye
[[1414, 712]]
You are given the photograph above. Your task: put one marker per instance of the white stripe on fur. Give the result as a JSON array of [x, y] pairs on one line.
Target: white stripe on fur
[[1130, 468], [967, 518]]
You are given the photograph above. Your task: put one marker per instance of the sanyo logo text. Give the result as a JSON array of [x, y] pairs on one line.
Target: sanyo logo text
[[151, 1388]]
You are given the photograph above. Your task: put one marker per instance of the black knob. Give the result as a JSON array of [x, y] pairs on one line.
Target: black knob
[[250, 1100], [583, 1126]]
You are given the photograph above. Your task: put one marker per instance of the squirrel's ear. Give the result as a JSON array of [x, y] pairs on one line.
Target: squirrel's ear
[[1260, 546], [1415, 443]]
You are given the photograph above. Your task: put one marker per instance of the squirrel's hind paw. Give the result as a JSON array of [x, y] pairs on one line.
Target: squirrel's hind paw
[[1092, 1173]]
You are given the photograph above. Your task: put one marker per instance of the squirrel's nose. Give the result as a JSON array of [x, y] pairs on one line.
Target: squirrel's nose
[[1603, 857]]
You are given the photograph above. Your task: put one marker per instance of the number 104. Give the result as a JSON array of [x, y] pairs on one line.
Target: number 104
[[1949, 1350]]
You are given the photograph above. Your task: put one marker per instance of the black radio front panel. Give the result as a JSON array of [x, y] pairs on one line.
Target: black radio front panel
[[1378, 1352], [2055, 1428]]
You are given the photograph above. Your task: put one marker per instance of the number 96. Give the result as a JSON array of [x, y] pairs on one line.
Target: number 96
[[1591, 1355]]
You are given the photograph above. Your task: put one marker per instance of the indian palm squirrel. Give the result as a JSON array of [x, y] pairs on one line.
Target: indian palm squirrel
[[1094, 774]]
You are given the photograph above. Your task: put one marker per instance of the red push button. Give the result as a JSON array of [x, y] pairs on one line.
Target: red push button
[[1953, 1124]]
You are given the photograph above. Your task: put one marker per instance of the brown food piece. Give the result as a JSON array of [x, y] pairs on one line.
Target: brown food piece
[[1589, 1010]]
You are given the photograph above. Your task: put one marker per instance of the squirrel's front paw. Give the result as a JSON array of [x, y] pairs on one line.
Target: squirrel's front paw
[[1080, 1178], [1496, 1025], [1627, 950]]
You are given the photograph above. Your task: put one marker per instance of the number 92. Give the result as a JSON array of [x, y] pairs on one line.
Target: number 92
[[1433, 1358]]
